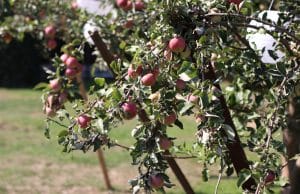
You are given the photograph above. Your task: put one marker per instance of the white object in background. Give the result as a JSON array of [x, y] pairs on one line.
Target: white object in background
[[263, 42], [90, 26], [97, 7]]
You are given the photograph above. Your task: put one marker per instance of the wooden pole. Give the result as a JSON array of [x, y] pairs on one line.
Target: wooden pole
[[108, 58], [102, 164], [236, 151]]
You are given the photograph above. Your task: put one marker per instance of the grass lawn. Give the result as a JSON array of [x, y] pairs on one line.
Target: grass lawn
[[32, 164]]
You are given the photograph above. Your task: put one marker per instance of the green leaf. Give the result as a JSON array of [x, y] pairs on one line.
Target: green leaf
[[99, 81], [243, 176], [41, 86], [178, 124], [187, 106]]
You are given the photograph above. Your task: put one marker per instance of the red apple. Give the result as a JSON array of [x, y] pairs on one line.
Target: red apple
[[72, 62], [121, 3], [50, 101], [128, 6], [50, 31], [165, 143], [148, 79], [170, 119], [129, 110], [71, 73], [192, 98], [177, 44], [51, 44], [55, 85], [128, 24], [200, 118], [134, 73], [63, 97], [64, 57], [83, 121], [139, 5], [156, 181], [180, 84], [270, 177], [237, 2], [50, 112]]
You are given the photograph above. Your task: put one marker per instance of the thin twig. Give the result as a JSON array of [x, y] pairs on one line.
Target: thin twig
[[60, 124]]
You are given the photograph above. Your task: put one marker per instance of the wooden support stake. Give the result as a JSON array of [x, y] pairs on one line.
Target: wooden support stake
[[236, 151], [108, 58], [83, 93], [179, 174]]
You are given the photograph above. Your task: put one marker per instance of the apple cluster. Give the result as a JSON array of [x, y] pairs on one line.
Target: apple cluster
[[50, 32]]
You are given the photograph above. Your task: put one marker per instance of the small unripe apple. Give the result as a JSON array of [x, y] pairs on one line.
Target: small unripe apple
[[237, 2], [121, 3], [139, 5], [186, 53], [170, 119], [193, 99], [83, 121], [72, 62], [71, 73], [165, 143], [63, 97], [128, 24], [177, 44], [148, 79], [180, 84], [129, 110], [270, 177], [50, 31], [156, 181], [55, 85], [51, 44], [50, 112], [64, 57]]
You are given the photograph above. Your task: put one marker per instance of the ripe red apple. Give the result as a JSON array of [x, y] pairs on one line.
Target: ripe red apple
[[237, 2], [139, 5], [71, 73], [192, 98], [129, 110], [165, 143], [50, 31], [64, 57], [51, 44], [128, 6], [83, 121], [177, 44], [50, 112], [72, 62], [55, 85], [134, 73], [180, 84], [51, 101], [63, 97], [128, 24], [170, 119], [156, 181], [270, 177], [148, 79], [121, 3]]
